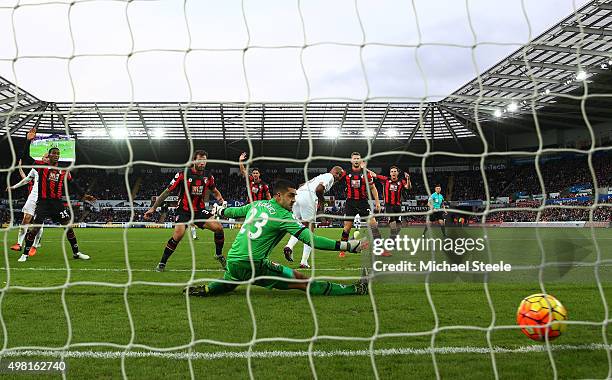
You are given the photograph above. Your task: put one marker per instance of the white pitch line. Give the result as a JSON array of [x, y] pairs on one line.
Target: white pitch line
[[203, 241], [292, 354], [350, 269], [50, 269]]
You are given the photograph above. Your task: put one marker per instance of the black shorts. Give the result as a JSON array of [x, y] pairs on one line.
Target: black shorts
[[53, 210], [200, 217], [393, 209], [437, 215], [353, 207]]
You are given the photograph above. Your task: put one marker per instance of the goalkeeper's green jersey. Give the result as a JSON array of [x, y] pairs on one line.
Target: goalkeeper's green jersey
[[265, 224]]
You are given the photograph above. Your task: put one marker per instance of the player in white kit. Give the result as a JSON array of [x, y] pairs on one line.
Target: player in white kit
[[29, 209], [308, 200]]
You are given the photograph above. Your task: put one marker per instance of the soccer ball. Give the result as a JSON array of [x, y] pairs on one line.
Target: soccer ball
[[536, 311]]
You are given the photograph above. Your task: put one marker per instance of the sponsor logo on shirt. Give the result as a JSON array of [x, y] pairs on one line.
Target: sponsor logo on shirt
[[54, 176]]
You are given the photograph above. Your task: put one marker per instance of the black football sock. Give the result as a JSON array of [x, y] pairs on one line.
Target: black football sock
[[168, 251], [375, 232], [219, 241], [395, 230], [73, 241], [345, 235], [29, 240]]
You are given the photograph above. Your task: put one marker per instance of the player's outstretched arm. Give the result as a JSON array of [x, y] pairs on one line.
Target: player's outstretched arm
[[303, 234], [326, 244], [242, 157], [232, 212], [158, 202], [24, 180], [267, 190], [320, 191], [408, 183], [25, 154], [78, 190], [374, 191], [370, 172], [21, 172], [217, 194]]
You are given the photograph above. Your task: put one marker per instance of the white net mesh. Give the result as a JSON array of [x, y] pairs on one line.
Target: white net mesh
[[206, 78]]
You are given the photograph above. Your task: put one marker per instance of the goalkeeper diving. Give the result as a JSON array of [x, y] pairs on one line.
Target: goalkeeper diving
[[266, 223]]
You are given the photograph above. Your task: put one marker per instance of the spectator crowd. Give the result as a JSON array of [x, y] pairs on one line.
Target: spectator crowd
[[557, 174]]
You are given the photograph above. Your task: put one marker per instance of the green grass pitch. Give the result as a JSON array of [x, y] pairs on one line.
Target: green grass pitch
[[106, 319]]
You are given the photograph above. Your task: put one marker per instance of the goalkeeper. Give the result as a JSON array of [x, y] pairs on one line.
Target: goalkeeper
[[265, 224]]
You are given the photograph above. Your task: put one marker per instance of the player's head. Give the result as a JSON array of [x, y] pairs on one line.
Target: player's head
[[356, 160], [394, 172], [284, 193], [53, 154], [438, 188], [338, 173], [45, 158], [256, 174], [199, 159]]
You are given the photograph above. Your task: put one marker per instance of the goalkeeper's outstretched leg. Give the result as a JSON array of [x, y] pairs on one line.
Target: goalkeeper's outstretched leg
[[241, 271]]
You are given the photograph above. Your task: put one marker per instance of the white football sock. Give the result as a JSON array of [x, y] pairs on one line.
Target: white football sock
[[36, 243], [23, 230], [306, 254], [292, 241], [194, 233]]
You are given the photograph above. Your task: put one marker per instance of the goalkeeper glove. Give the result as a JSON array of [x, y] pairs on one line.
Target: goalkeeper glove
[[288, 254], [218, 209], [352, 246]]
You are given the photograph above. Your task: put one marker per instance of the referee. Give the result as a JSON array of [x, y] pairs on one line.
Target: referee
[[437, 205]]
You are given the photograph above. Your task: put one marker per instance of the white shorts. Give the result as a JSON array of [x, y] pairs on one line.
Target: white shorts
[[305, 208], [30, 206]]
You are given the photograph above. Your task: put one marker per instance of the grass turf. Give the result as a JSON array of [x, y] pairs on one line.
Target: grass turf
[[153, 312]]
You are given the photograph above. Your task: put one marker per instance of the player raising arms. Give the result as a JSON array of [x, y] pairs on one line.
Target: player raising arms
[[258, 189], [394, 186], [436, 204], [357, 197], [265, 224], [50, 204], [308, 201], [29, 209], [198, 183]]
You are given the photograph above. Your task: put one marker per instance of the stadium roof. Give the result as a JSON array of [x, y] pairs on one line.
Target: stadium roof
[[548, 74], [549, 68], [235, 120]]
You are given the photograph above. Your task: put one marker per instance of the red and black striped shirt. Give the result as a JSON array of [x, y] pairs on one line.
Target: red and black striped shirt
[[51, 181], [393, 189], [259, 190], [356, 182], [198, 184]]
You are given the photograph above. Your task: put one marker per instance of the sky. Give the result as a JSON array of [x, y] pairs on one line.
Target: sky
[[264, 50]]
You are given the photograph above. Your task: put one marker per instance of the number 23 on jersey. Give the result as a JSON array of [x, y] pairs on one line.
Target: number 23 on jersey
[[258, 225]]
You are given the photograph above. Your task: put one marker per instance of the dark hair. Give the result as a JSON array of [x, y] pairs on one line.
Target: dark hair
[[254, 169], [53, 148], [282, 185], [394, 167], [200, 152], [437, 185], [355, 154]]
